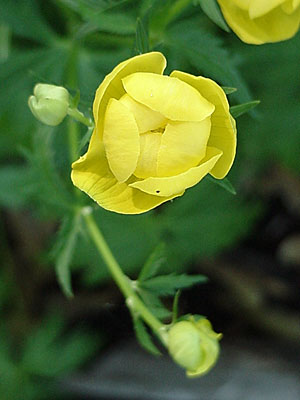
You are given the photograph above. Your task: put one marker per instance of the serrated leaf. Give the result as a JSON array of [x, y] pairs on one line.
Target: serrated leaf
[[65, 255], [168, 284], [141, 37], [212, 10], [240, 109], [144, 337], [224, 183], [155, 261], [229, 90]]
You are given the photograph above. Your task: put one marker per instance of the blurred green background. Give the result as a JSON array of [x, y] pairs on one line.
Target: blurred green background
[[248, 244]]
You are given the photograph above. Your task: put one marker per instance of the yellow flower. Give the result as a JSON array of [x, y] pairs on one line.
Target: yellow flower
[[154, 137], [194, 346], [262, 21]]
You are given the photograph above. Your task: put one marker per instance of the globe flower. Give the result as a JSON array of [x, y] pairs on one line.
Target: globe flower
[[154, 137], [49, 103], [194, 346], [262, 21]]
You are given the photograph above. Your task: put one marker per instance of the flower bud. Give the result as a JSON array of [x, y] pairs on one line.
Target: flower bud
[[49, 104], [194, 346]]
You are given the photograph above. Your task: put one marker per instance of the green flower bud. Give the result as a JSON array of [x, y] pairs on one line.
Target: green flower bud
[[194, 345], [49, 104]]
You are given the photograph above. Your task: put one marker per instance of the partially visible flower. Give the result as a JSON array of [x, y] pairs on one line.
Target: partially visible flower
[[194, 346], [49, 103], [155, 136], [262, 21]]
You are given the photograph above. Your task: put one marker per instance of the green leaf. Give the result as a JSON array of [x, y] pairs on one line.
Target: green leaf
[[213, 12], [85, 139], [68, 237], [224, 183], [14, 181], [47, 185], [50, 352], [155, 261], [168, 284], [205, 52], [241, 109], [229, 90], [175, 307], [91, 6], [25, 19], [144, 337], [141, 37], [154, 304]]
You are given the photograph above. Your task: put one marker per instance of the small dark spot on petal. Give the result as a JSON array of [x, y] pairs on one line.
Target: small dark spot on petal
[[158, 191]]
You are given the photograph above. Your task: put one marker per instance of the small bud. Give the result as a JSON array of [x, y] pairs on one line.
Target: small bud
[[49, 104], [194, 346]]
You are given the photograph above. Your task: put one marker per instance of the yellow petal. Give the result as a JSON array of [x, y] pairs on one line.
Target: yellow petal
[[146, 119], [258, 8], [171, 97], [147, 163], [244, 4], [223, 132], [121, 140], [290, 6], [173, 185], [112, 87], [275, 26], [183, 145], [92, 175]]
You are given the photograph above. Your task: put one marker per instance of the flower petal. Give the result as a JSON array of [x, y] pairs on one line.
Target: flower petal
[[92, 175], [290, 6], [170, 186], [171, 97], [258, 8], [112, 87], [146, 119], [223, 132], [275, 26], [121, 140], [183, 145], [147, 163]]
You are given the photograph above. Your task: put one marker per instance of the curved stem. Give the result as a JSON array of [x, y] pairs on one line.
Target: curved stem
[[76, 114], [124, 283]]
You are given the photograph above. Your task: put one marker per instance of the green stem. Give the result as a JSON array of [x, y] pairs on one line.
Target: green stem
[[78, 116], [71, 72], [124, 283]]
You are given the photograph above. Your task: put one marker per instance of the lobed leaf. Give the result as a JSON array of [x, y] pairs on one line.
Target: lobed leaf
[[165, 285], [229, 90], [224, 183], [240, 109], [155, 261], [141, 37], [212, 10], [68, 238], [144, 337]]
